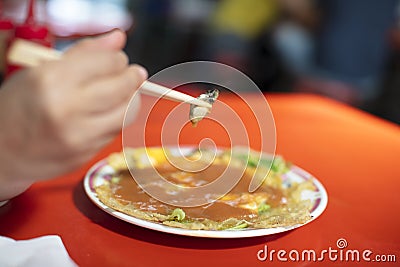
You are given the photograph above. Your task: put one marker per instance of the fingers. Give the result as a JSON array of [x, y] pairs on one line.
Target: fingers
[[113, 40], [83, 66], [111, 91], [107, 116], [110, 124], [142, 72], [104, 127], [96, 57]]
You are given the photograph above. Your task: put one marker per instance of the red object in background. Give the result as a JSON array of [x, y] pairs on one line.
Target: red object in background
[[30, 30], [5, 24], [6, 31]]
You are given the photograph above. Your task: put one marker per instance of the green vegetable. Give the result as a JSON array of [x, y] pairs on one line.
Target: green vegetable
[[252, 162], [240, 225], [115, 179], [263, 207], [279, 165], [177, 215]]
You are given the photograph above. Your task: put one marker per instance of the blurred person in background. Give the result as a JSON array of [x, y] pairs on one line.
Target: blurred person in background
[[345, 53], [237, 35], [337, 48], [235, 25]]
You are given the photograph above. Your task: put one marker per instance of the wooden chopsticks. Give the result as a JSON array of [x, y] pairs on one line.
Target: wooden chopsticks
[[30, 54]]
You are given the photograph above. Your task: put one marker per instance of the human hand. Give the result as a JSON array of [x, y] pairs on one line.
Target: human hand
[[56, 116]]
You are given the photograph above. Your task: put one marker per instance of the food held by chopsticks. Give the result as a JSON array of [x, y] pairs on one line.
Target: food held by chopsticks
[[197, 113]]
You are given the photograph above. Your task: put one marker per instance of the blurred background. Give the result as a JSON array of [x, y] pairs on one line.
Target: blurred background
[[348, 50]]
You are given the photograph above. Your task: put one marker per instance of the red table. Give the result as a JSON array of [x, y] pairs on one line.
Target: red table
[[355, 155]]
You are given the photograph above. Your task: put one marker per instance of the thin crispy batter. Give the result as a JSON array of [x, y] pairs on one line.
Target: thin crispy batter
[[295, 211]]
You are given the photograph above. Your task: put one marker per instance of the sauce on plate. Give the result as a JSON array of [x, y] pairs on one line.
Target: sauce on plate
[[238, 203]]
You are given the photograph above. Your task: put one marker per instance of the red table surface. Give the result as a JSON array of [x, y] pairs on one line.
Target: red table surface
[[355, 156]]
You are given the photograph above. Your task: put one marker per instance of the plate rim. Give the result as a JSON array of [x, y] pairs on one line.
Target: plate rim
[[319, 208]]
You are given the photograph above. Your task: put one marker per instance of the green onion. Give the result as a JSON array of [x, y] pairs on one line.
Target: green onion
[[240, 225], [115, 179], [263, 207], [177, 215], [279, 165]]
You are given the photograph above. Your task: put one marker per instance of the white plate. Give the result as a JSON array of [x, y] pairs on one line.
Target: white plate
[[101, 172]]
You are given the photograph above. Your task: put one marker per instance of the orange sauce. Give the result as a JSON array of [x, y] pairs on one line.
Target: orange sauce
[[128, 191]]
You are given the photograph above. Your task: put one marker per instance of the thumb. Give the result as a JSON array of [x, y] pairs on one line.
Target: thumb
[[113, 40]]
